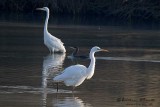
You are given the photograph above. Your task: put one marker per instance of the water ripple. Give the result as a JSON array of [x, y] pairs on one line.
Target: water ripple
[[30, 89], [134, 59]]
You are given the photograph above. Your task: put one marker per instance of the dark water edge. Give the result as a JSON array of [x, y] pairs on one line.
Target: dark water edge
[[31, 34], [64, 19]]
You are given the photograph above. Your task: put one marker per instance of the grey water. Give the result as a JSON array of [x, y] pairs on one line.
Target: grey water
[[124, 77]]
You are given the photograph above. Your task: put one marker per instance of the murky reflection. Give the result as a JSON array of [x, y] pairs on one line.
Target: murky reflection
[[69, 101], [52, 64]]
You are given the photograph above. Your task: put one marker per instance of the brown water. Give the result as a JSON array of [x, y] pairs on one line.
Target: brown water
[[124, 77]]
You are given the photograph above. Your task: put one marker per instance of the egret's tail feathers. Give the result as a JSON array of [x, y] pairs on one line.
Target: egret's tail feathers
[[57, 79], [59, 50], [63, 50]]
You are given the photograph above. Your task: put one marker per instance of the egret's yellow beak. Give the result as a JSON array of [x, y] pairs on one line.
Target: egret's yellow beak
[[104, 50], [39, 8]]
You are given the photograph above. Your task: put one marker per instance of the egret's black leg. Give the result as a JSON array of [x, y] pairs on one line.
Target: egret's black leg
[[57, 86], [50, 52], [73, 89]]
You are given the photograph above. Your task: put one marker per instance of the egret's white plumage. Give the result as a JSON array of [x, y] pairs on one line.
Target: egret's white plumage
[[76, 74], [72, 76], [54, 44]]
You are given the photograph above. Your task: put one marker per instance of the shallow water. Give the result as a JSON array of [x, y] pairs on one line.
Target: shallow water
[[123, 77]]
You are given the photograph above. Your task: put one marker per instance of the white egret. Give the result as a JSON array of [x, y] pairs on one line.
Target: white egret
[[76, 74], [54, 44]]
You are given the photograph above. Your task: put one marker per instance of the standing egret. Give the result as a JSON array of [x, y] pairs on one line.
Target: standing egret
[[76, 74], [54, 44]]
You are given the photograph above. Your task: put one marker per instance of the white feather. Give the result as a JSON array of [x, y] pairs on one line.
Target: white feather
[[53, 44], [76, 74], [72, 76]]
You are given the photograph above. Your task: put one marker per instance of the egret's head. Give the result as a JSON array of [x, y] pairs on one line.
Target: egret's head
[[44, 9], [97, 49]]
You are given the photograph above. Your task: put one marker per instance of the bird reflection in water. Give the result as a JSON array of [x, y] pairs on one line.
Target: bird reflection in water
[[52, 64], [68, 101]]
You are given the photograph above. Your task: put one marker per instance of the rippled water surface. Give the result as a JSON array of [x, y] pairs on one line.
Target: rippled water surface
[[124, 77]]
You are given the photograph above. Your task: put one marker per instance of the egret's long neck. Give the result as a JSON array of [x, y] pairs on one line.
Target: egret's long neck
[[91, 68], [46, 22], [75, 52]]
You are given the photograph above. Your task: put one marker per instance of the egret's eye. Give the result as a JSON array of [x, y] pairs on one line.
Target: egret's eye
[[98, 49]]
